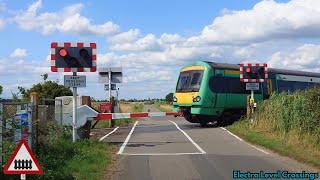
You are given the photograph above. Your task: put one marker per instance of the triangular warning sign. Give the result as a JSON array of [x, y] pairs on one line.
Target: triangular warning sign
[[22, 161]]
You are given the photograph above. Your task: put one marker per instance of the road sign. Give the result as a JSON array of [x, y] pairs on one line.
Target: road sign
[[74, 81], [113, 87], [21, 131], [252, 86], [105, 107], [116, 75], [253, 73], [73, 57], [23, 161]]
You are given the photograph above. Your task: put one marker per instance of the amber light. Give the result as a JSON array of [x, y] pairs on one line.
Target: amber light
[[63, 52], [248, 70]]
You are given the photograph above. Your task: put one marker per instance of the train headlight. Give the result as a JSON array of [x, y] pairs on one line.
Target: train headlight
[[197, 99], [175, 99]]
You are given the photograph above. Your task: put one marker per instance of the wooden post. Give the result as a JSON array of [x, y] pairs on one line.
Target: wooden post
[[248, 107], [34, 97]]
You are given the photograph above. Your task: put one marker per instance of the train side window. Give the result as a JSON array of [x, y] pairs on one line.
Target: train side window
[[300, 85], [287, 86], [216, 84]]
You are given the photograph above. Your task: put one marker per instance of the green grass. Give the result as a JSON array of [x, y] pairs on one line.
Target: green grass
[[288, 124], [158, 106], [62, 159]]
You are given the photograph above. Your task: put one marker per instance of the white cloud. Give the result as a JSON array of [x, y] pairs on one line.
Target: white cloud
[[267, 20], [125, 37], [19, 53], [171, 38], [305, 57], [147, 43], [2, 23], [68, 20]]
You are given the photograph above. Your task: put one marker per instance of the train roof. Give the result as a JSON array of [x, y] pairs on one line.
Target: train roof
[[270, 70]]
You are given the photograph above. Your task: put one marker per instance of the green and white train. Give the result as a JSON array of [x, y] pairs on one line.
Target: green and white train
[[208, 91]]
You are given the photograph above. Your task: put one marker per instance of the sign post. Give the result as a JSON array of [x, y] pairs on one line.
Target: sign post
[[73, 57], [23, 161], [108, 76]]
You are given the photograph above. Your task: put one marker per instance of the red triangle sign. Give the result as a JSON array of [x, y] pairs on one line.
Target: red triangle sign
[[22, 161]]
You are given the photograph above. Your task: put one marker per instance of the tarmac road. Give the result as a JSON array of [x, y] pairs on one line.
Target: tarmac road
[[172, 148]]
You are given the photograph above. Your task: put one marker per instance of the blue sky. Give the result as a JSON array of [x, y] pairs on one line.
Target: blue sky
[[153, 40]]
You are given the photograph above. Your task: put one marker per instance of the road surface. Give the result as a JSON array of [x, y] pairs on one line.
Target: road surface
[[172, 148]]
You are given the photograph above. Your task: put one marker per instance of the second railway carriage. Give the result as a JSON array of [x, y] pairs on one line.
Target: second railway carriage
[[209, 91]]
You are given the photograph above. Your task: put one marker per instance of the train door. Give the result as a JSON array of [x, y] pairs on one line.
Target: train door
[[220, 94]]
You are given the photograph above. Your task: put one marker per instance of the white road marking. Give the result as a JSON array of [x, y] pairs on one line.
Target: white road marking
[[195, 144], [232, 134], [108, 134], [127, 139], [158, 154], [244, 141]]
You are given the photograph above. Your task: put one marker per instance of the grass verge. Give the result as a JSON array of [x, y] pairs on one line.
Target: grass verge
[[62, 159], [163, 106], [287, 124]]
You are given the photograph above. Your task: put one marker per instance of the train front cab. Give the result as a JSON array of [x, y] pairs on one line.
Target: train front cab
[[191, 95]]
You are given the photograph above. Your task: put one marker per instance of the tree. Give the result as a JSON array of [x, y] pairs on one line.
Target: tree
[[1, 90], [169, 97], [47, 90], [45, 77]]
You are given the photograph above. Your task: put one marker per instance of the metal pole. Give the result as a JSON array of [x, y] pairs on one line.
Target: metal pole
[[252, 93], [61, 112], [1, 131], [23, 177], [118, 105], [30, 110], [74, 114], [109, 84], [112, 110]]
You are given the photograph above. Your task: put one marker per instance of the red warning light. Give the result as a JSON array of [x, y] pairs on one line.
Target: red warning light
[[248, 70], [63, 52]]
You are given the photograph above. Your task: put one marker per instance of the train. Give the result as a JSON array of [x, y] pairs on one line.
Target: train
[[212, 92]]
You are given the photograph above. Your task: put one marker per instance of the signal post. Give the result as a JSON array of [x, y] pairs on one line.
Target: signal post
[[73, 57], [252, 74]]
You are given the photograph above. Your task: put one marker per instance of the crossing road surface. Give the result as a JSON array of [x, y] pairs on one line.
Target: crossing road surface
[[171, 148]]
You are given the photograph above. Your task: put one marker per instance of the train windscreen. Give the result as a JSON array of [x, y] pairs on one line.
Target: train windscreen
[[189, 81]]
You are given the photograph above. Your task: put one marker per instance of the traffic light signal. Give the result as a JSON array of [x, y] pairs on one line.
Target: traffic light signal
[[253, 72], [73, 57]]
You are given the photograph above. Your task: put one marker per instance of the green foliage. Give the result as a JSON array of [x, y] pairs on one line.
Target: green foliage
[[62, 159], [169, 97], [291, 121], [1, 90], [298, 112], [138, 107], [49, 90], [44, 76]]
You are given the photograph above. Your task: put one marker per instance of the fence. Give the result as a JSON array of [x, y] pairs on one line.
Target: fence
[[15, 124]]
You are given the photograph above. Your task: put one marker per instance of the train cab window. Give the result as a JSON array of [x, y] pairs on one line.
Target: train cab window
[[189, 81], [196, 79]]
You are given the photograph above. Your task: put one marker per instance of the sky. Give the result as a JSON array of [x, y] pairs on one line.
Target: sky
[[153, 40]]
